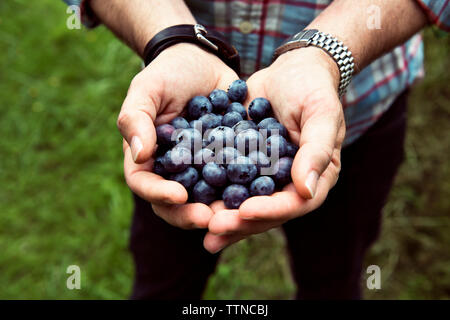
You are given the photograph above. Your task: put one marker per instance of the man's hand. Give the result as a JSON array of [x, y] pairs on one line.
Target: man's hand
[[156, 95], [302, 87]]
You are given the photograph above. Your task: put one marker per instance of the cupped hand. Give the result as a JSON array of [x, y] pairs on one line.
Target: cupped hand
[[156, 95], [302, 88]]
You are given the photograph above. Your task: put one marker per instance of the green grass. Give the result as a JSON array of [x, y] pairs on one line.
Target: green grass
[[63, 199]]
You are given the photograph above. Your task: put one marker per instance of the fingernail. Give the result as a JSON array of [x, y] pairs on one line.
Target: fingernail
[[311, 183], [136, 147]]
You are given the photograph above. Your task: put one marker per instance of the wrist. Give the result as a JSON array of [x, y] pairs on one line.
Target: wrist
[[316, 56], [208, 40], [138, 21]]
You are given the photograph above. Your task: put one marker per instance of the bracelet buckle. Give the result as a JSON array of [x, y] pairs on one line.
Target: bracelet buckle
[[199, 32]]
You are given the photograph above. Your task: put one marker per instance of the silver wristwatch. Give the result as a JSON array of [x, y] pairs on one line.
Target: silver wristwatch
[[330, 45]]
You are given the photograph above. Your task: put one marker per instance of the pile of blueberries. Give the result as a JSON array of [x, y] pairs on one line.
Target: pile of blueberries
[[221, 154]]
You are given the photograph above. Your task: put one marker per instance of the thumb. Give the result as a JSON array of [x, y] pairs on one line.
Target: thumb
[[135, 122], [321, 134]]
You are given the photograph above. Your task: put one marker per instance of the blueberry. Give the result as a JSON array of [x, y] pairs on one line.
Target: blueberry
[[215, 174], [189, 138], [221, 136], [265, 122], [199, 106], [262, 186], [260, 159], [234, 195], [237, 91], [244, 125], [282, 170], [161, 150], [259, 109], [291, 150], [164, 134], [241, 170], [180, 123], [204, 192], [187, 178], [196, 124], [219, 118], [226, 155], [205, 144], [209, 121], [219, 100], [276, 146], [177, 159], [231, 118], [248, 140], [158, 167], [202, 157], [276, 128], [238, 107]]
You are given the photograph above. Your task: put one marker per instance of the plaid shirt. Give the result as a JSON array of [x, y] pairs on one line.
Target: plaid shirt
[[257, 27]]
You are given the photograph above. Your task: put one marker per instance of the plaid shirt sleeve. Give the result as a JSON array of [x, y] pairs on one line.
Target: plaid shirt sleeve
[[438, 12]]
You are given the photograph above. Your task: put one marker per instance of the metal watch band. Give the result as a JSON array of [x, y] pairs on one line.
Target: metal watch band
[[332, 46], [210, 40]]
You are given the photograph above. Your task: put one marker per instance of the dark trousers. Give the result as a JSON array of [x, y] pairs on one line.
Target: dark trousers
[[327, 246]]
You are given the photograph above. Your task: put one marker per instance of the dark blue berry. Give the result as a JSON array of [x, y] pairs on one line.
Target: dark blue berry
[[204, 192], [248, 140], [180, 123], [205, 144], [231, 118], [282, 171], [164, 134], [208, 121], [221, 137], [158, 167], [244, 125], [291, 150], [234, 195], [262, 186], [265, 122], [226, 155], [202, 157], [259, 109], [241, 170], [276, 128], [189, 138], [214, 174], [219, 100], [188, 178], [177, 159], [238, 107], [237, 91], [199, 106], [261, 160], [196, 124], [276, 146]]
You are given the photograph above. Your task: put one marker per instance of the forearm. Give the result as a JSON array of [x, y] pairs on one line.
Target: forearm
[[348, 21], [137, 21]]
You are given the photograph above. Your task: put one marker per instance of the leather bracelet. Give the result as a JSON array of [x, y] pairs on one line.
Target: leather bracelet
[[210, 40]]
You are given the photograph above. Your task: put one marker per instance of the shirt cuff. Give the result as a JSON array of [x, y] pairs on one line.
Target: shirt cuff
[[438, 12]]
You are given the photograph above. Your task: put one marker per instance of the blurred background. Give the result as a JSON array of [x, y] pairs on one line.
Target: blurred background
[[63, 199]]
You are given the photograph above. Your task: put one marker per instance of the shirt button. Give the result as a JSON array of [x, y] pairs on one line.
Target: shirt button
[[246, 27]]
